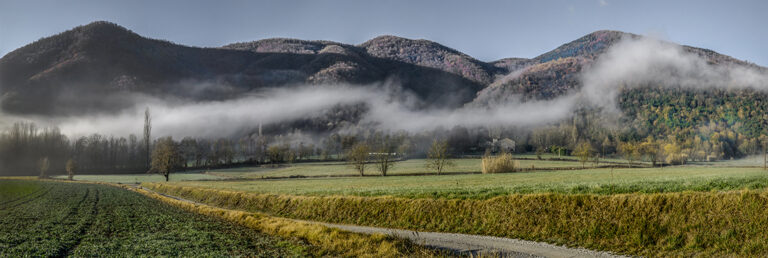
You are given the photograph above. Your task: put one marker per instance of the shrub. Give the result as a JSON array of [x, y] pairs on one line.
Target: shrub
[[499, 164]]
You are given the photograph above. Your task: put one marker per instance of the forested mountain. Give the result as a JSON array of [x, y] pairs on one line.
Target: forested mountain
[[556, 72]]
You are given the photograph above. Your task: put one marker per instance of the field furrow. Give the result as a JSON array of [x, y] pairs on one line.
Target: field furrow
[[24, 199], [71, 219]]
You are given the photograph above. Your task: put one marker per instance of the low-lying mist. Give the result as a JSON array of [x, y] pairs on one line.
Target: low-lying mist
[[627, 64], [387, 110], [646, 61]]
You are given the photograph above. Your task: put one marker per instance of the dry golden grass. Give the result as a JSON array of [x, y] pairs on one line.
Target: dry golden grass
[[499, 164], [733, 223]]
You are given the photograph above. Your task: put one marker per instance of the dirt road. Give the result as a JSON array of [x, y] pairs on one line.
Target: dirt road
[[474, 244]]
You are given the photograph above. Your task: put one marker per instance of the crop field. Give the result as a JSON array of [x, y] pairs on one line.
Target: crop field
[[61, 219], [479, 186]]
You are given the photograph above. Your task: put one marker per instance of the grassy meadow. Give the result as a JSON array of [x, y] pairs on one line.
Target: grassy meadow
[[480, 186], [406, 167]]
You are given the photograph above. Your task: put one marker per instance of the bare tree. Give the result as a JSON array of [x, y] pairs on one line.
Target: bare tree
[[166, 157], [584, 151], [44, 165], [188, 148], [71, 167], [147, 135], [384, 158], [438, 157], [357, 156]]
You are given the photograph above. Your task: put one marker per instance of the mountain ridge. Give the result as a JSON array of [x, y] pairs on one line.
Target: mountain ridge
[[91, 66]]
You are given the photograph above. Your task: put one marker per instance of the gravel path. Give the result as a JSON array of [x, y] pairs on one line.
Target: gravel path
[[472, 245]]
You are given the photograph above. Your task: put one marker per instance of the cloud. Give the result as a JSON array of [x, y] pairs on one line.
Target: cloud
[[386, 110], [630, 63], [645, 61], [602, 2]]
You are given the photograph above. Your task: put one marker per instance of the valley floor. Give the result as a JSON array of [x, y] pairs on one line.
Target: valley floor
[[705, 208]]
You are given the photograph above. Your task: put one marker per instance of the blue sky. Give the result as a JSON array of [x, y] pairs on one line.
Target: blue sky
[[487, 30]]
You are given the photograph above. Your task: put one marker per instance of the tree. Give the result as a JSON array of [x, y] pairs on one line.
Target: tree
[[605, 145], [764, 141], [166, 157], [650, 149], [629, 151], [674, 154], [305, 151], [584, 151], [384, 158], [188, 150], [147, 135], [404, 148], [357, 156], [44, 165], [438, 157], [225, 150], [70, 167], [559, 150], [276, 154]]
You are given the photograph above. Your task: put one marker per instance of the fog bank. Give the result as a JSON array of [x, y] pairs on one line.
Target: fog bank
[[629, 63]]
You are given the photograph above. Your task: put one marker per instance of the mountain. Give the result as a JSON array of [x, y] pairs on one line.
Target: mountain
[[93, 67], [430, 54], [96, 67], [556, 72]]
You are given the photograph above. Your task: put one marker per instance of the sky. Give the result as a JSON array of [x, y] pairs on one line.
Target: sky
[[486, 30]]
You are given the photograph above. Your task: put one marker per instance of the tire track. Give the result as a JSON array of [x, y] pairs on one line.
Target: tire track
[[83, 225], [87, 225]]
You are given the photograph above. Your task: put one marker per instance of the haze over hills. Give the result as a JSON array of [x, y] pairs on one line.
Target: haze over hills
[[103, 68]]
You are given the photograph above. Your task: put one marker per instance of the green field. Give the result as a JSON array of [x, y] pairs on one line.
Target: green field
[[337, 169], [600, 181], [139, 178], [407, 167], [69, 219]]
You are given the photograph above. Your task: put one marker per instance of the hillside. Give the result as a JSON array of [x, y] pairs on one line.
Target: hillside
[[101, 66], [94, 67], [556, 72]]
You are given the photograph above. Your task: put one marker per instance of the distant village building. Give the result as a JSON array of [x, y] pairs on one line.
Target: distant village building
[[506, 145], [503, 145]]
